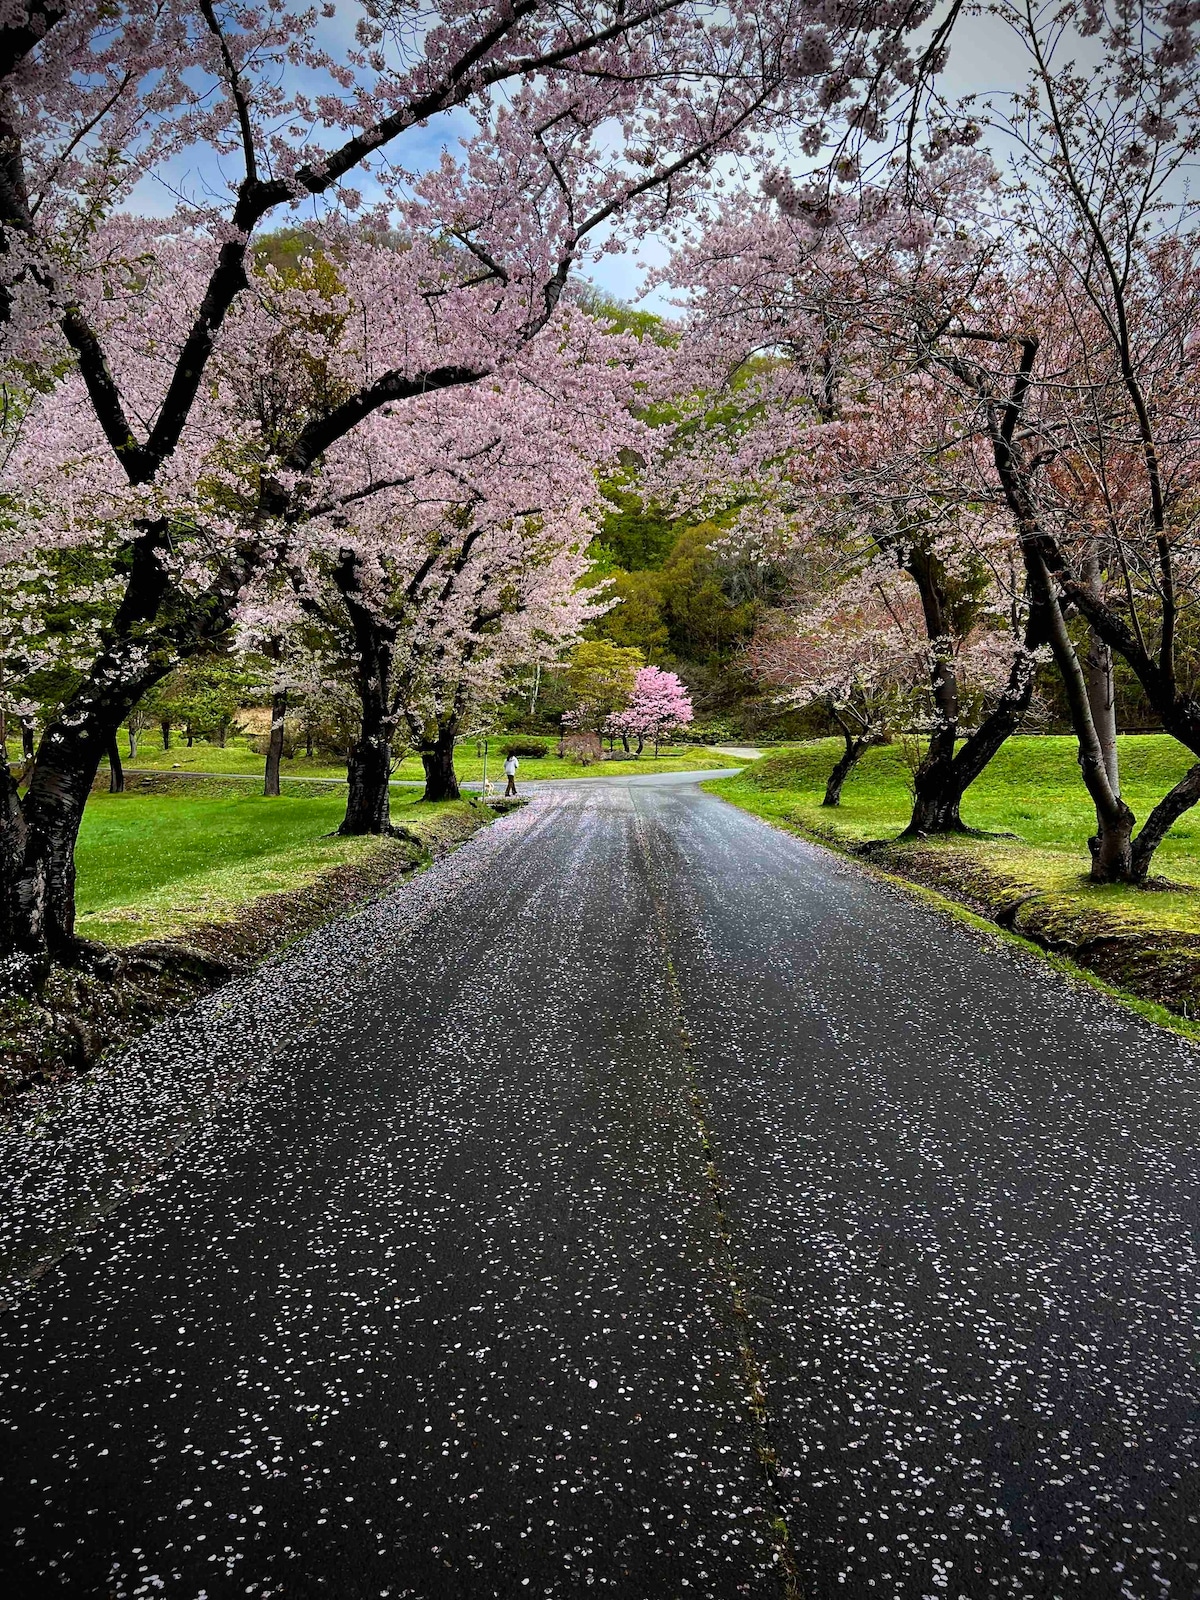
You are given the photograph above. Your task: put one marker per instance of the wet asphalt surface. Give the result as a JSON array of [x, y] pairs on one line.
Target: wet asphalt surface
[[642, 1201]]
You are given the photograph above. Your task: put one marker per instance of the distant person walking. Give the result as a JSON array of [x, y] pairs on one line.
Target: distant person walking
[[510, 772]]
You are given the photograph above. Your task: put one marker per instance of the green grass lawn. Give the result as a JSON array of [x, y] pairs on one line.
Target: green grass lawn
[[238, 759], [1031, 789], [149, 866]]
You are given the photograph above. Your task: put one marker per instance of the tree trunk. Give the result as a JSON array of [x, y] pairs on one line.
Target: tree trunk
[[369, 801], [133, 742], [945, 775], [853, 754], [275, 743], [191, 738], [37, 923], [116, 773], [937, 789], [308, 737], [166, 735], [641, 745], [24, 955], [28, 741], [937, 800], [1098, 679], [1111, 845], [441, 780], [222, 734], [38, 832]]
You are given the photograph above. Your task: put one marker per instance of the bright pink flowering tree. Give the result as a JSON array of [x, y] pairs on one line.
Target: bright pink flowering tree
[[660, 706]]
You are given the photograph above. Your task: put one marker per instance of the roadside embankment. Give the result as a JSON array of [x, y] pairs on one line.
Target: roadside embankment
[[178, 901], [1024, 867]]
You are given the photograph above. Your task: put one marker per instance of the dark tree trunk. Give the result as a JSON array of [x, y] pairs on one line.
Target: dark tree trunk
[[133, 742], [28, 742], [441, 780], [166, 735], [625, 743], [24, 954], [308, 738], [369, 799], [116, 772], [852, 755], [222, 734], [945, 775], [641, 745], [275, 743], [37, 923], [368, 804], [191, 738], [937, 789], [38, 832], [937, 792]]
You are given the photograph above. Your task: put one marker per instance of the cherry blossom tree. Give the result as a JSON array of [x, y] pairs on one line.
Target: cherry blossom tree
[[856, 652], [609, 119], [660, 706], [1083, 379], [451, 547], [831, 437]]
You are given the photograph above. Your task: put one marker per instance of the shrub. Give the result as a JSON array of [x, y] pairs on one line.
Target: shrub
[[529, 749]]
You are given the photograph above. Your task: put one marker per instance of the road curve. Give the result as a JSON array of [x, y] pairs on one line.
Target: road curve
[[643, 1201]]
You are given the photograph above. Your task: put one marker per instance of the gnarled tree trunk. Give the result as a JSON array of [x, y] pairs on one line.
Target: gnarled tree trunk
[[369, 801], [441, 780], [368, 804], [1111, 846], [856, 747], [948, 769], [939, 785]]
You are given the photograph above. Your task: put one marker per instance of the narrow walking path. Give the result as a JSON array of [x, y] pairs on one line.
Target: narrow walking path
[[643, 1201]]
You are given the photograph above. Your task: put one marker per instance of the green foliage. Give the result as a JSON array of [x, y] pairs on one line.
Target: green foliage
[[204, 694], [636, 535], [636, 622], [704, 623], [599, 679], [623, 318], [527, 749]]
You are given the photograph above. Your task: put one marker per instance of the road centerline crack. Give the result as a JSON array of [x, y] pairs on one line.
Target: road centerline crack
[[752, 1375]]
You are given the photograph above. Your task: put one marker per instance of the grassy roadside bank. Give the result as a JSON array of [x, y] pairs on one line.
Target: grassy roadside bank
[[187, 891], [1145, 942]]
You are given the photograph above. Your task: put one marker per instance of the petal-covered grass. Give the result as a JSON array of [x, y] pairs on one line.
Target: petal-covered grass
[[1032, 790]]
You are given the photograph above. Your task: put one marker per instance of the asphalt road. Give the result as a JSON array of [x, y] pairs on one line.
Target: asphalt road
[[642, 1201]]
